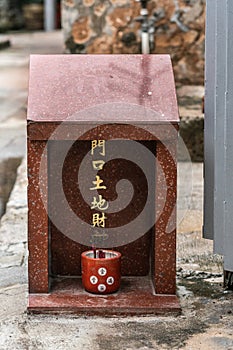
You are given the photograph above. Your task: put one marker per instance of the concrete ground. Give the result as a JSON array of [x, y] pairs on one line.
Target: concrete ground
[[14, 62], [207, 313]]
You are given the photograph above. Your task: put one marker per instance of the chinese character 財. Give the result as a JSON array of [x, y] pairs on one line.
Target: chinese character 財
[[98, 220]]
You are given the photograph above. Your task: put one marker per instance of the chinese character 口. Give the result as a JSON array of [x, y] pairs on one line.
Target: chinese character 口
[[98, 164]]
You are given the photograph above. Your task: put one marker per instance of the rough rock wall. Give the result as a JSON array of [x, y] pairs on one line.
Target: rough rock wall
[[108, 26], [10, 15]]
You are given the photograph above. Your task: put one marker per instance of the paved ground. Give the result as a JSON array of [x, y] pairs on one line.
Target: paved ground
[[207, 318], [14, 63]]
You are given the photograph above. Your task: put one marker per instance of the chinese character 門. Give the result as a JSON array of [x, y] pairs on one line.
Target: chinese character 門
[[100, 144]]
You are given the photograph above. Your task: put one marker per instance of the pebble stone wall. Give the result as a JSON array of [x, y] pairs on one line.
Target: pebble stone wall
[[108, 27]]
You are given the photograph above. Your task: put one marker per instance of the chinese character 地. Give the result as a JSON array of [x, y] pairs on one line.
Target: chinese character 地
[[100, 204]]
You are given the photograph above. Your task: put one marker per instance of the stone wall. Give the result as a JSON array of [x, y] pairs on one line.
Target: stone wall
[[10, 15], [108, 27]]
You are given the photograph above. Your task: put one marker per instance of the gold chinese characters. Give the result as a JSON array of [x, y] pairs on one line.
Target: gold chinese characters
[[98, 202]]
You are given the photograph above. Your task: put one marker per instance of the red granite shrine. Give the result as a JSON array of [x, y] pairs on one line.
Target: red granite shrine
[[129, 101]]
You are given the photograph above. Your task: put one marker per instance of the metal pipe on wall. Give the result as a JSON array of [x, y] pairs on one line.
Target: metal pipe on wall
[[49, 15]]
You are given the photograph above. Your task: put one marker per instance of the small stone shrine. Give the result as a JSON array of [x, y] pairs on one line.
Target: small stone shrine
[[102, 173]]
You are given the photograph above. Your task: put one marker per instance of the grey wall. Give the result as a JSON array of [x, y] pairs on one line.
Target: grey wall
[[218, 167]]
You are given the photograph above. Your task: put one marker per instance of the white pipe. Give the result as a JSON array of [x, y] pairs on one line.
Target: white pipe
[[145, 43], [50, 15]]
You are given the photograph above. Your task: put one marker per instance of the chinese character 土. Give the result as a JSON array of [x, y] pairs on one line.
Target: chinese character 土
[[97, 184], [100, 204], [99, 144], [98, 220]]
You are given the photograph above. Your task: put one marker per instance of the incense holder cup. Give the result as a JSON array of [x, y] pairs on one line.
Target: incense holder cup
[[101, 275]]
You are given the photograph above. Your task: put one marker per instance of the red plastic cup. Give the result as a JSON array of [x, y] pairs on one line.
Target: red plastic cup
[[101, 275]]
